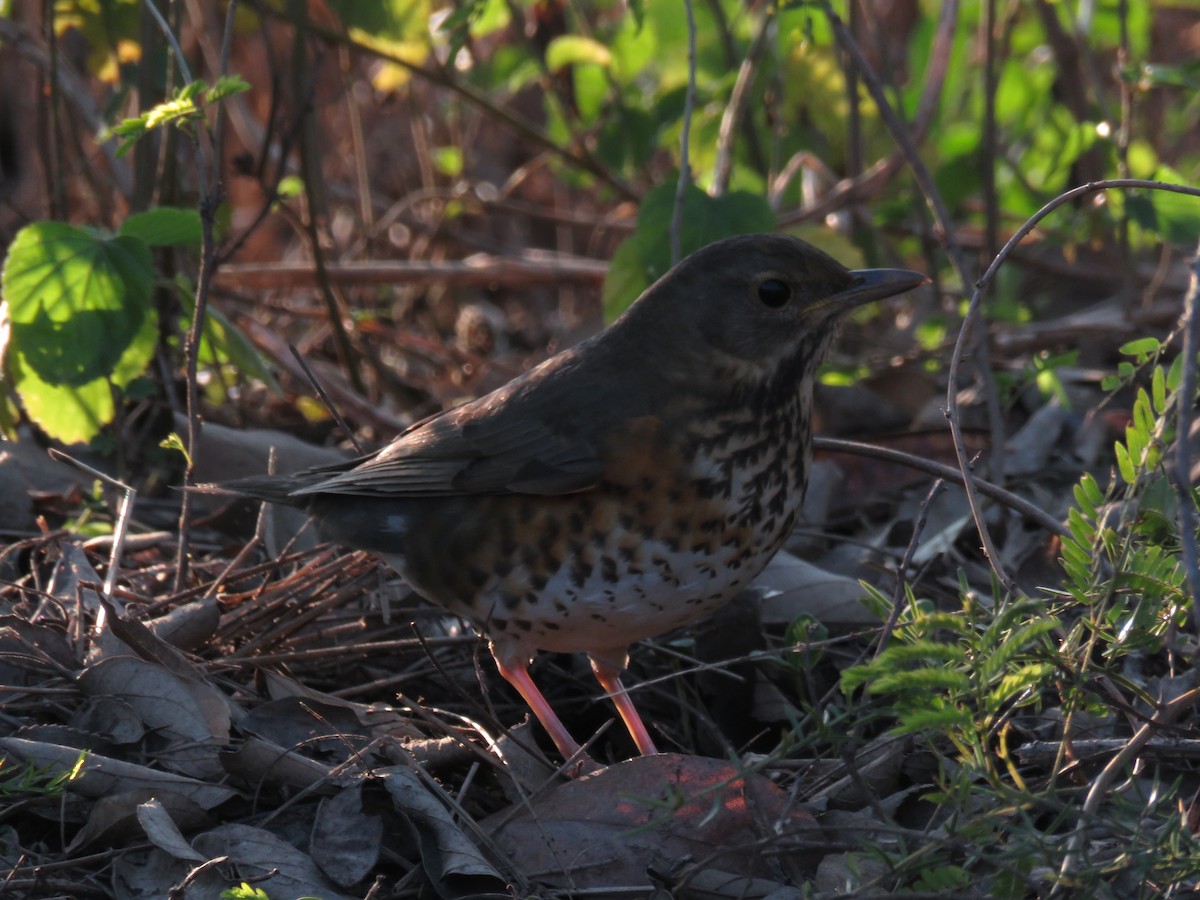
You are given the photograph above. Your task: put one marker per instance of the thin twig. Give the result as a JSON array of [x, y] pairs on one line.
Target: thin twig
[[685, 170], [574, 154], [987, 167], [532, 269], [902, 570], [1100, 785], [734, 110], [208, 159], [1185, 409], [320, 389], [1019, 235], [950, 473], [121, 526], [944, 228], [303, 89]]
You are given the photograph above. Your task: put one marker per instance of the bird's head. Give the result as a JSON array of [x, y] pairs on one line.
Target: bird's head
[[758, 303]]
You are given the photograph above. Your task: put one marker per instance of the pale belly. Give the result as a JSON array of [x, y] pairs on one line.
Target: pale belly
[[627, 594]]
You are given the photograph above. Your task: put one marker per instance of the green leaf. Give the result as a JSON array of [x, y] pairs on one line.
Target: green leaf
[[226, 86], [174, 442], [76, 300], [1175, 374], [1135, 444], [1125, 464], [82, 324], [448, 160], [573, 49], [166, 226], [222, 342], [1141, 349], [76, 413], [921, 681], [1185, 76], [935, 720], [1158, 387], [1074, 552], [1091, 490], [1078, 573], [1174, 217], [399, 21]]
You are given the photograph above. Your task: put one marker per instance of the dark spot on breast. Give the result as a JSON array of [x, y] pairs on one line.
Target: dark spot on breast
[[608, 569], [580, 570], [551, 529]]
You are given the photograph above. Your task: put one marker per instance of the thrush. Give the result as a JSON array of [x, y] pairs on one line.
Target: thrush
[[625, 487]]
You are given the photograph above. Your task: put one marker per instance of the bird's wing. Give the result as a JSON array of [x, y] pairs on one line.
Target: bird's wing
[[485, 447]]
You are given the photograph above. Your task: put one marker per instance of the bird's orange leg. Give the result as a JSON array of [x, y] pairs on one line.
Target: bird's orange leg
[[517, 674], [610, 679]]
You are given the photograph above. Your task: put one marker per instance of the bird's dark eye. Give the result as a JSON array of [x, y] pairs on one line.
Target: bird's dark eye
[[774, 293]]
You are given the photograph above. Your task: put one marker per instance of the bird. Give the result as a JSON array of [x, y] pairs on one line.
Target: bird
[[625, 487]]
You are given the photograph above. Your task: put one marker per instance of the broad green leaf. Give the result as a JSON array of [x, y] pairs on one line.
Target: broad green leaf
[[591, 91], [76, 413], [385, 21], [625, 279], [110, 32], [573, 49], [222, 342], [1174, 217], [398, 28], [166, 226], [76, 301]]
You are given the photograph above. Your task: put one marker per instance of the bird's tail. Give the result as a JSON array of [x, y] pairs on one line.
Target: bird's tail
[[272, 488]]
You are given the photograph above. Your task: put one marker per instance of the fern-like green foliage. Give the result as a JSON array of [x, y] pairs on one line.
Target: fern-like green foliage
[[957, 675], [1121, 557]]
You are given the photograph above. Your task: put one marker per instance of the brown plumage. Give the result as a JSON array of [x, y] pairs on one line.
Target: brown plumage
[[627, 486]]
